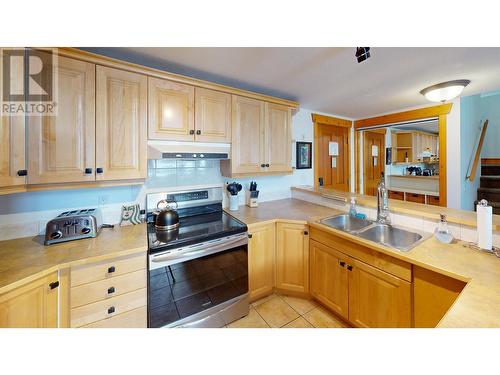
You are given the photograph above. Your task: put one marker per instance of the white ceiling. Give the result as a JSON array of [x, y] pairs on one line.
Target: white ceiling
[[329, 79]]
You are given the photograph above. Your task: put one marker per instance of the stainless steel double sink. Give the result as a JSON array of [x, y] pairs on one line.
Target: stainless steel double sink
[[388, 235]]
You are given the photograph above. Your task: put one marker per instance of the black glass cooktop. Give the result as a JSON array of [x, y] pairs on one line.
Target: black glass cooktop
[[194, 229]]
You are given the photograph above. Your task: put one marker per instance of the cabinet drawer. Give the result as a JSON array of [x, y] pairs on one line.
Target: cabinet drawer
[[365, 254], [96, 311], [131, 319], [107, 269], [417, 198], [108, 288], [399, 195], [433, 200]]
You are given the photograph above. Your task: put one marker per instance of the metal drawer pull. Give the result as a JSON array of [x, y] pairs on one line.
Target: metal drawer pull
[[342, 264], [111, 290], [111, 310], [54, 285], [111, 269], [349, 268]]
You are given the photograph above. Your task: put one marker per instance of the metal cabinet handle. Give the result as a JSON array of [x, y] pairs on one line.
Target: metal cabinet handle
[[349, 268], [306, 233], [191, 132], [342, 264], [198, 132], [111, 269], [111, 310], [88, 170], [267, 165], [262, 165], [111, 290], [54, 285], [99, 170], [250, 235], [22, 172]]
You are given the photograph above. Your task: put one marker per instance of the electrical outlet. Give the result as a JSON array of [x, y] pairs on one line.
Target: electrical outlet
[[103, 200]]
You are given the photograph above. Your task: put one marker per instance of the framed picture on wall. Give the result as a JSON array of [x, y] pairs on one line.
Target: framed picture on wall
[[304, 155]]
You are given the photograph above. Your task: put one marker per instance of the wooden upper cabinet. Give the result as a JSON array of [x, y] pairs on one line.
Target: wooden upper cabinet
[[261, 260], [33, 305], [121, 124], [378, 299], [278, 138], [292, 257], [329, 278], [61, 148], [12, 140], [212, 116], [171, 114], [247, 148]]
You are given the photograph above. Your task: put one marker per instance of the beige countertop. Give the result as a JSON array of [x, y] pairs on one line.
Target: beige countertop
[[26, 259], [284, 209], [409, 208], [411, 176]]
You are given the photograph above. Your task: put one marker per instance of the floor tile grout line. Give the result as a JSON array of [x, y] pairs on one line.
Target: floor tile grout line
[[265, 321]]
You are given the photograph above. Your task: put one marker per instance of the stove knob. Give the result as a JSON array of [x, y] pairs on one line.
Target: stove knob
[[86, 230], [56, 235]]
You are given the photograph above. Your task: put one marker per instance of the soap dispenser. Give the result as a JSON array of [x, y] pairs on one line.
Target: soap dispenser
[[442, 232]]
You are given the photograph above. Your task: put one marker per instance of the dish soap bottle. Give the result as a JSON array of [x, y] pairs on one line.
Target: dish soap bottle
[[442, 232], [352, 207]]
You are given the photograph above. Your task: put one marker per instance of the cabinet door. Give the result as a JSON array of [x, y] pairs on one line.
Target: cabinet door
[[247, 147], [261, 260], [292, 257], [329, 278], [121, 124], [12, 140], [33, 305], [278, 138], [61, 148], [171, 115], [378, 299], [212, 116]]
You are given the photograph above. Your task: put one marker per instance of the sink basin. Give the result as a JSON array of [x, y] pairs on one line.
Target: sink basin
[[346, 223], [390, 236]]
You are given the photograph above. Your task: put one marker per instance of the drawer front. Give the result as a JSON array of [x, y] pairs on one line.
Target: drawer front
[[397, 195], [417, 198], [372, 257], [108, 288], [107, 269], [433, 200], [131, 319], [96, 311]]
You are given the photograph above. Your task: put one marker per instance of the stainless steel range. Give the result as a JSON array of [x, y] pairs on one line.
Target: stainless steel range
[[198, 271]]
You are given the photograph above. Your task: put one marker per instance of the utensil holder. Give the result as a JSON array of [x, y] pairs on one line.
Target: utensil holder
[[233, 203]]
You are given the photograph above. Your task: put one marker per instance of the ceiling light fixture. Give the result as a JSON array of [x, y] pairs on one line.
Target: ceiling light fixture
[[362, 53], [445, 91]]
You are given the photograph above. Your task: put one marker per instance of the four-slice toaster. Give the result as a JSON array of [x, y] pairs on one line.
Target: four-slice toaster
[[73, 225]]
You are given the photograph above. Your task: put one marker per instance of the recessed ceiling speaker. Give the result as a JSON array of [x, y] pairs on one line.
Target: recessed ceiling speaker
[[362, 53]]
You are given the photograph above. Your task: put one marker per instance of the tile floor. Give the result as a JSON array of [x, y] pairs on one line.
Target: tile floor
[[281, 311]]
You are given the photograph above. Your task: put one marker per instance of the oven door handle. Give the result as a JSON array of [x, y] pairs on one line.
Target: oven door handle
[[200, 250]]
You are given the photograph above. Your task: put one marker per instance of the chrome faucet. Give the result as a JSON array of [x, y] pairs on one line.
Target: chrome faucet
[[382, 202]]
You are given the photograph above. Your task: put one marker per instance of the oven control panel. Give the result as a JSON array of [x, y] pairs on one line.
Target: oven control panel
[[188, 196]]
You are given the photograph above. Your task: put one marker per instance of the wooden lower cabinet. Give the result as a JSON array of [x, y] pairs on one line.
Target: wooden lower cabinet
[[34, 305], [261, 259], [378, 299], [109, 294], [329, 279], [399, 195], [292, 257], [360, 293], [417, 198]]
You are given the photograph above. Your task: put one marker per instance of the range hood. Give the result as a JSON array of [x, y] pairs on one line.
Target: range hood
[[188, 150]]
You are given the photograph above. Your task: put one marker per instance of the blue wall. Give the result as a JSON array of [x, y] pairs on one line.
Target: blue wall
[[473, 111]]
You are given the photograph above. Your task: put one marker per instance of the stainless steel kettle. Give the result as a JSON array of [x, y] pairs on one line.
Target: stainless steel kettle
[[166, 218]]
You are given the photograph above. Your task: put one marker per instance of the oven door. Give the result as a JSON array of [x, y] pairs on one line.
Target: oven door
[[185, 283]]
